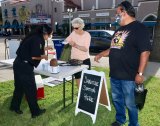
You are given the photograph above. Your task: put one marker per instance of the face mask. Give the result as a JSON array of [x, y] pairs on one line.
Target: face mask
[[50, 38], [118, 18]]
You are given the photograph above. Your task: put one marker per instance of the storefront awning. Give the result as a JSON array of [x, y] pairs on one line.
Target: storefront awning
[[99, 24], [14, 26], [6, 26], [21, 26], [149, 23]]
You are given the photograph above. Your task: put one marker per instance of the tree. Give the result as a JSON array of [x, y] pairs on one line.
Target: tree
[[155, 54]]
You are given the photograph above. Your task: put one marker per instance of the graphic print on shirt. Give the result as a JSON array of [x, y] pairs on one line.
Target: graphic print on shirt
[[119, 39]]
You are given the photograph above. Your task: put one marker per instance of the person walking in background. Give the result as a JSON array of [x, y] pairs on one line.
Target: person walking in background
[[128, 56], [80, 42], [29, 55]]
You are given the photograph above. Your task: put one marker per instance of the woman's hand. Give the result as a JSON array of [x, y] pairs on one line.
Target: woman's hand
[[72, 43], [48, 48], [82, 48], [44, 57]]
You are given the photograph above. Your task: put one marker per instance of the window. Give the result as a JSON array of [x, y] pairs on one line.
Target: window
[[104, 35], [101, 20], [87, 20], [14, 11], [5, 12], [94, 34], [55, 10]]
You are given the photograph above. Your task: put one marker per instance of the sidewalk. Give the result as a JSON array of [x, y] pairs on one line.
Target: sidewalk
[[6, 73]]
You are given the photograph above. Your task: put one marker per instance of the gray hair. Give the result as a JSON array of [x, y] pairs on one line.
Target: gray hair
[[78, 21]]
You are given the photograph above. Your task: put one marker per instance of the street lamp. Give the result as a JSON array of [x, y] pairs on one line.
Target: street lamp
[[69, 12], [52, 13], [56, 23]]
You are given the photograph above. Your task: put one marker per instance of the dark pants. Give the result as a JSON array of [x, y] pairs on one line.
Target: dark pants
[[24, 84]]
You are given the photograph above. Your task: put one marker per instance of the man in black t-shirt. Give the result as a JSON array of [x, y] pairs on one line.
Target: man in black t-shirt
[[128, 56]]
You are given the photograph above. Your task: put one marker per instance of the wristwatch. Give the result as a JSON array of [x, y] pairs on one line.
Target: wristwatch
[[140, 73]]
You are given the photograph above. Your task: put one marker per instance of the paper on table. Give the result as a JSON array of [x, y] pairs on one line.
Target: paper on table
[[50, 81]]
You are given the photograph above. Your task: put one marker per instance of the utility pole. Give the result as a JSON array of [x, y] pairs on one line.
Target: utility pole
[[52, 23], [70, 14]]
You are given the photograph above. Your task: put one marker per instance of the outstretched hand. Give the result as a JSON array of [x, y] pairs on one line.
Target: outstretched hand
[[97, 58], [44, 57]]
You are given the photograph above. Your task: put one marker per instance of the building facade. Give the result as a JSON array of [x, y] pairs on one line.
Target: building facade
[[34, 12], [97, 14], [100, 13]]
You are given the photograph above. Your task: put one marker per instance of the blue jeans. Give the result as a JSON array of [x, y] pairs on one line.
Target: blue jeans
[[123, 96]]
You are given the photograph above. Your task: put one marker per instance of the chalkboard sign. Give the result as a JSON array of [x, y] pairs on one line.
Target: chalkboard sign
[[90, 93]]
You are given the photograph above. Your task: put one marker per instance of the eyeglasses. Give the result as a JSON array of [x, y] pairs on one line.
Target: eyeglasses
[[76, 28]]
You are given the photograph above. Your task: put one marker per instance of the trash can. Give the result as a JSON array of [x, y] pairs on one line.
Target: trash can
[[58, 45]]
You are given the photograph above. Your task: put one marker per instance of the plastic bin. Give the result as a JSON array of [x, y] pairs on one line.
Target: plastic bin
[[58, 45]]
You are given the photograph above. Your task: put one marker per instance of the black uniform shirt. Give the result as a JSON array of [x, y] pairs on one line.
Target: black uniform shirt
[[127, 44], [31, 47]]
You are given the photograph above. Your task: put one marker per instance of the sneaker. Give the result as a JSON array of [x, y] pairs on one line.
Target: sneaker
[[115, 124], [41, 111], [18, 111]]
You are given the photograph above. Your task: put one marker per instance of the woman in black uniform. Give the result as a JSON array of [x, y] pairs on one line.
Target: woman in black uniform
[[29, 55]]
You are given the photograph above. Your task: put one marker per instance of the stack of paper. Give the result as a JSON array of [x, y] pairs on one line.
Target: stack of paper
[[50, 81]]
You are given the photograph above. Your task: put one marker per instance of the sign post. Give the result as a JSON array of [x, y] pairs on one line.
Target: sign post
[[92, 91]]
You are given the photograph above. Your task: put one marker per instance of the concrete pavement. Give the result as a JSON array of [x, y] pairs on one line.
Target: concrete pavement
[[6, 73]]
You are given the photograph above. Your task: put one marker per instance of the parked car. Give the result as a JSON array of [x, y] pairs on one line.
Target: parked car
[[100, 40], [6, 34], [3, 33]]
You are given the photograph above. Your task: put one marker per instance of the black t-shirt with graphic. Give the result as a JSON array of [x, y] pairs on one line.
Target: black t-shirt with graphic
[[128, 43], [32, 46]]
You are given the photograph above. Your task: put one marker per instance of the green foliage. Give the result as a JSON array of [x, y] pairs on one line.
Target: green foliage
[[56, 116]]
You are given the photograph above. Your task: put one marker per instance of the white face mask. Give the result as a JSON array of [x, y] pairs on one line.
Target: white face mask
[[118, 18], [50, 38]]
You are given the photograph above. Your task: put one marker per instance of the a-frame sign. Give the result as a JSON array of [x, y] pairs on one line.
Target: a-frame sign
[[92, 92]]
